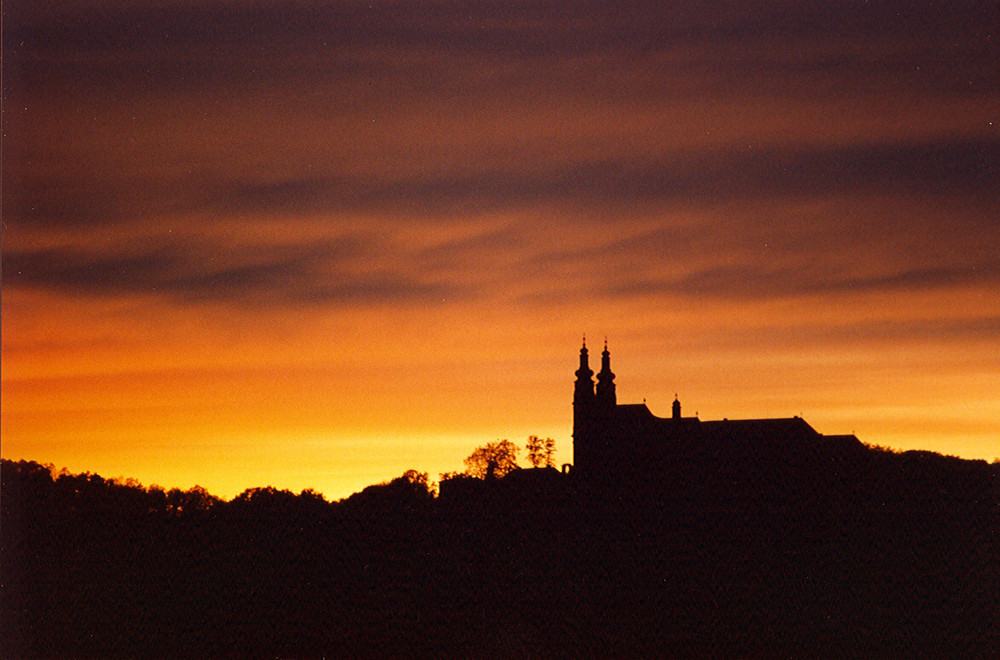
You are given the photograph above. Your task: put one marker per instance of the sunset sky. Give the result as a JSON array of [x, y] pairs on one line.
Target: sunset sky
[[308, 244]]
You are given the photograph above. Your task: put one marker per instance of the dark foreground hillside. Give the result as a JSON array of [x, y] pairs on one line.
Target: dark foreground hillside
[[855, 553]]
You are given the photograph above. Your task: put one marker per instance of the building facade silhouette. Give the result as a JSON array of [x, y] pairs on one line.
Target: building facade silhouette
[[627, 442]]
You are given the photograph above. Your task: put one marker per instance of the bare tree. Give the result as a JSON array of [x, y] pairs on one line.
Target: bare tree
[[493, 460], [540, 451]]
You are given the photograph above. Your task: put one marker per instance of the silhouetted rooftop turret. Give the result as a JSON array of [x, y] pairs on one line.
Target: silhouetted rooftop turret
[[606, 380]]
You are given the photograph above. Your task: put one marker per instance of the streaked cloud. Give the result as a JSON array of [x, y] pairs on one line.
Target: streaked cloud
[[390, 194], [741, 282], [272, 275]]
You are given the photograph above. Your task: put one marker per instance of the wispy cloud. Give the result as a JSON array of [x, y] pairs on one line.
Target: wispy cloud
[[944, 169], [276, 276], [756, 282], [179, 175]]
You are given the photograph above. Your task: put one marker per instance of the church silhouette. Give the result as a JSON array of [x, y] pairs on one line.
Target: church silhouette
[[615, 442]]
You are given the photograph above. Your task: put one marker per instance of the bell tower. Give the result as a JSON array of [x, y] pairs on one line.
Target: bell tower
[[606, 381], [583, 398], [583, 395]]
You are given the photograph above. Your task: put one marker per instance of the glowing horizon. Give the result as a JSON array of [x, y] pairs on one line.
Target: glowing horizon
[[315, 246]]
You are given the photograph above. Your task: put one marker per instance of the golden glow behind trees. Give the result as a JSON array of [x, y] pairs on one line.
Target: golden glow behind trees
[[492, 460], [316, 262], [540, 452]]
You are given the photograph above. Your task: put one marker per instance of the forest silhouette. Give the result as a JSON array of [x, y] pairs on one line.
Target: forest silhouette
[[803, 551]]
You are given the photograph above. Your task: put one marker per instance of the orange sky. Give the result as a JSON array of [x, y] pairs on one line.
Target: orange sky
[[298, 245]]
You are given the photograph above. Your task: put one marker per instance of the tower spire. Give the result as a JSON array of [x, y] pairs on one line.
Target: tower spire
[[583, 394], [606, 379], [584, 378]]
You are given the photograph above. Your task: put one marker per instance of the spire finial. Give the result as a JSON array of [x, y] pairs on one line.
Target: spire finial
[[585, 340]]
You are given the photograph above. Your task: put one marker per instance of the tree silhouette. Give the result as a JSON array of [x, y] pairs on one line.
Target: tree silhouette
[[409, 492], [540, 451], [419, 479], [194, 501], [493, 460]]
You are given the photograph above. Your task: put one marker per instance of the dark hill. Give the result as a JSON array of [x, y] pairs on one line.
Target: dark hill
[[803, 550]]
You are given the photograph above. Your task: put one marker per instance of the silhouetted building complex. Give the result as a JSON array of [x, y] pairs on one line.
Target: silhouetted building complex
[[612, 440]]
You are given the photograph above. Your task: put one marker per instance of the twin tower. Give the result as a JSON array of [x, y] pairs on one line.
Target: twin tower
[[605, 434], [592, 408], [586, 395], [588, 400]]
